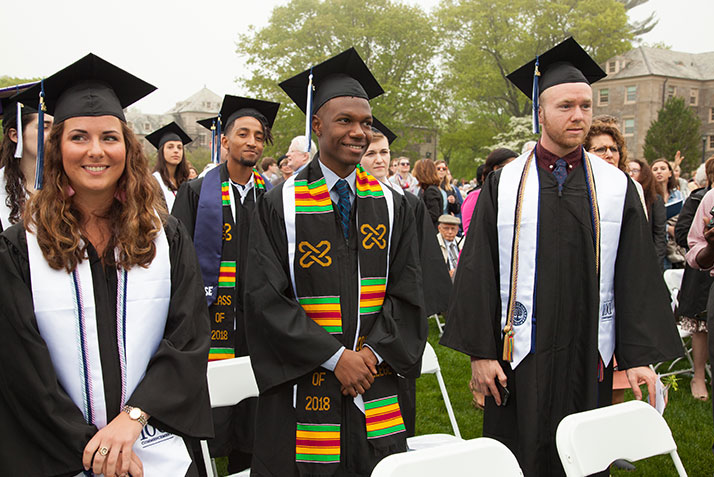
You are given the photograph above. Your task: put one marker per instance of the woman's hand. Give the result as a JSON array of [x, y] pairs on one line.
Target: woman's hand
[[111, 448]]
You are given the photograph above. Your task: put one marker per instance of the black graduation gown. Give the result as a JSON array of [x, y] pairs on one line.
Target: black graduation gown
[[285, 345], [694, 292], [561, 377], [45, 432], [234, 427]]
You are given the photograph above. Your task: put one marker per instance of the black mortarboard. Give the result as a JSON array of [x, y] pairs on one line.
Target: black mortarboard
[[379, 126], [89, 87], [235, 107], [566, 62], [342, 75], [170, 132], [208, 123]]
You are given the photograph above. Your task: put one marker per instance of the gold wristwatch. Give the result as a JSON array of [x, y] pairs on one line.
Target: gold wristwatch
[[136, 414]]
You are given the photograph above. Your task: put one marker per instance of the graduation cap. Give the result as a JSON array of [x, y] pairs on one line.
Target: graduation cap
[[13, 111], [235, 107], [378, 126], [566, 62], [90, 86], [342, 75], [213, 124], [170, 132]]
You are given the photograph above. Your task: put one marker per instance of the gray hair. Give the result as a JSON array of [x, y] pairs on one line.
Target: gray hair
[[298, 144]]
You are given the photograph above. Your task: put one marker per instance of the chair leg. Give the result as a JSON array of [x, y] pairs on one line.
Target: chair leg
[[438, 324], [678, 463], [208, 463]]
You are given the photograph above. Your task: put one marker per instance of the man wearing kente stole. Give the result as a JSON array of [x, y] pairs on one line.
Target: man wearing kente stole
[[558, 276], [335, 297], [217, 210]]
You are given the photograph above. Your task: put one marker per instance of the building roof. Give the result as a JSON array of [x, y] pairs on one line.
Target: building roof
[[647, 61], [139, 121], [203, 101]]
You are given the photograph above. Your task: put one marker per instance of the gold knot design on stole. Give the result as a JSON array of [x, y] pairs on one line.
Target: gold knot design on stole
[[316, 255], [374, 236]]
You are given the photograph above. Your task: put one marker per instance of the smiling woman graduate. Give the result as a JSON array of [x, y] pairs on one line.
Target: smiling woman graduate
[[103, 328]]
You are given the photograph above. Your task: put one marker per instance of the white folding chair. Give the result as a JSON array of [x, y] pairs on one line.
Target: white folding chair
[[673, 279], [482, 456], [229, 382], [438, 323], [430, 365], [588, 442]]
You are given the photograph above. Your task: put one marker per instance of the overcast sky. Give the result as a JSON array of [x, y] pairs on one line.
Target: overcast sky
[[182, 45]]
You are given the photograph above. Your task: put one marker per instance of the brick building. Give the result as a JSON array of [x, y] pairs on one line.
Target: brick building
[[639, 82]]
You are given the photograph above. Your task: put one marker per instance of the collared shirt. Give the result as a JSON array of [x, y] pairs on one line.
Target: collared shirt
[[696, 239], [243, 189], [546, 159], [331, 179]]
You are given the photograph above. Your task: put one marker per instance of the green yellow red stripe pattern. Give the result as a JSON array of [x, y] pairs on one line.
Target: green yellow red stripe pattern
[[367, 185], [325, 311], [383, 417], [215, 354], [227, 274], [371, 295], [225, 193], [312, 198], [258, 180], [317, 443]]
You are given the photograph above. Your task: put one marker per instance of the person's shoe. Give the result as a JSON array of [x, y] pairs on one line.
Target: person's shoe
[[623, 464]]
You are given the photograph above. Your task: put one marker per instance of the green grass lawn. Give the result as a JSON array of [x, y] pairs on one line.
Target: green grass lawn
[[689, 419]]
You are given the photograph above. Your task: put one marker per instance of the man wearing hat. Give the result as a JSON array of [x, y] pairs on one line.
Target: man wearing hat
[[335, 296], [448, 242], [557, 275], [217, 210]]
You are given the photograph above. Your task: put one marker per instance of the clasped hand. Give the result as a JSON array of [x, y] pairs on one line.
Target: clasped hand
[[355, 370], [110, 453]]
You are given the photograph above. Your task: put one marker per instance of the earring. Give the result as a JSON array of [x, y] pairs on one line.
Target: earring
[[69, 191]]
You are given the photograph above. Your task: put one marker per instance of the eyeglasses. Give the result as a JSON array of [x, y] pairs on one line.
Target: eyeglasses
[[441, 168], [404, 164], [604, 149]]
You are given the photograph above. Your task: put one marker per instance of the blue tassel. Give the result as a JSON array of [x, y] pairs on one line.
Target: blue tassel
[[39, 167], [308, 113], [536, 94], [218, 140]]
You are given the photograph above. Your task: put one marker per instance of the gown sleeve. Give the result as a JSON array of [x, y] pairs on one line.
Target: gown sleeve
[[399, 333], [686, 215], [45, 431], [284, 343], [472, 323], [646, 332], [174, 391]]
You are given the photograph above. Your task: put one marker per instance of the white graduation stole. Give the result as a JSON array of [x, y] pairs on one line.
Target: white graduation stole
[[168, 193], [66, 318], [610, 186]]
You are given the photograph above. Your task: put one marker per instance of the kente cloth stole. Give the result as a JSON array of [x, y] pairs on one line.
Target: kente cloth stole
[[215, 238], [518, 214], [66, 318], [313, 236]]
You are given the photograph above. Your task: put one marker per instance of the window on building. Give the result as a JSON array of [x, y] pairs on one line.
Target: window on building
[[629, 126], [611, 67], [604, 96], [671, 91], [202, 139], [711, 115], [711, 142], [630, 94], [147, 127], [693, 97], [428, 138]]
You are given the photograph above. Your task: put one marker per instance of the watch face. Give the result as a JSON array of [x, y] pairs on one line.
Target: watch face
[[135, 413]]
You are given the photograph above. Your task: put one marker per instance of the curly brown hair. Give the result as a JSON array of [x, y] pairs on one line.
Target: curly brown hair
[[14, 178], [603, 126], [181, 173], [425, 173], [132, 216]]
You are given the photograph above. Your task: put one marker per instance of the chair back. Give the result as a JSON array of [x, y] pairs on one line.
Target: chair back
[[430, 365], [482, 456], [230, 381], [588, 442]]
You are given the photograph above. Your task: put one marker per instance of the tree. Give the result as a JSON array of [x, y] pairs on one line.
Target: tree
[[641, 27], [487, 39], [675, 129], [397, 41], [518, 133], [6, 81]]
